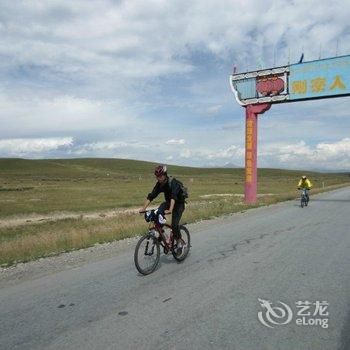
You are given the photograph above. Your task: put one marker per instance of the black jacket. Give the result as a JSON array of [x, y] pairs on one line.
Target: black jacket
[[170, 191]]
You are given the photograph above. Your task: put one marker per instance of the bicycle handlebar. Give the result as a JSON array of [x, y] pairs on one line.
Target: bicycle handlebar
[[145, 211]]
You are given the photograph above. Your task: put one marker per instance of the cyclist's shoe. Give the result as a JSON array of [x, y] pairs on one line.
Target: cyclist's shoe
[[178, 249], [179, 245]]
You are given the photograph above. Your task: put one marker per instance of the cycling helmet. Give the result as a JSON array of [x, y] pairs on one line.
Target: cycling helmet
[[160, 170], [304, 177]]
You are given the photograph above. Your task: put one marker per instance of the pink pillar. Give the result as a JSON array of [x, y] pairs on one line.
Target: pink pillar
[[251, 147]]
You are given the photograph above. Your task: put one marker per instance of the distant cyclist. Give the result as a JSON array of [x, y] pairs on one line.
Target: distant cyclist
[[174, 198], [305, 183]]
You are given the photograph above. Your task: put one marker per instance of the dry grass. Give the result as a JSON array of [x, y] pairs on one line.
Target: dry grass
[[29, 242], [33, 241], [29, 187]]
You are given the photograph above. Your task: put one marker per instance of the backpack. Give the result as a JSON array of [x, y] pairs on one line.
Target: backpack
[[183, 193]]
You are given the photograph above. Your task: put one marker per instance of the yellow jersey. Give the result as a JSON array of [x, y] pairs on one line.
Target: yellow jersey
[[305, 183]]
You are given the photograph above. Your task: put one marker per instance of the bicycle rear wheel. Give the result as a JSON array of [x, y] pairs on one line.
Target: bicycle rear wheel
[[147, 254], [181, 247]]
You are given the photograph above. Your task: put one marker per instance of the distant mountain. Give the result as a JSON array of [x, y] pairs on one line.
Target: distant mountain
[[80, 166], [231, 165], [227, 165], [332, 171]]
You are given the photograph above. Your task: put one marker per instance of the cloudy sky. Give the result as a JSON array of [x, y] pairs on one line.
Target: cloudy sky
[[148, 80]]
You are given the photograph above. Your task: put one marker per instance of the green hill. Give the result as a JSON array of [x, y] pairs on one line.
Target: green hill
[[88, 184]]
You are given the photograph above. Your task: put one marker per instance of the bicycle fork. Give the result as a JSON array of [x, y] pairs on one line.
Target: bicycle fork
[[146, 248]]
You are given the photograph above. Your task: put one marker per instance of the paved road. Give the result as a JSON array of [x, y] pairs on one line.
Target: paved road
[[277, 253]]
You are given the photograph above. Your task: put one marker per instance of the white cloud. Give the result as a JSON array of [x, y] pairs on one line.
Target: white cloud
[[103, 146], [285, 149], [58, 114], [327, 156], [89, 67], [336, 149], [157, 38], [331, 155], [185, 153], [23, 147], [232, 151], [175, 142], [96, 38], [213, 110]]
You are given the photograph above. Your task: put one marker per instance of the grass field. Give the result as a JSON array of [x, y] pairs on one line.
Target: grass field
[[38, 187]]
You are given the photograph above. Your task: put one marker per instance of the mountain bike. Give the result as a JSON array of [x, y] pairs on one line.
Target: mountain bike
[[304, 199], [147, 250]]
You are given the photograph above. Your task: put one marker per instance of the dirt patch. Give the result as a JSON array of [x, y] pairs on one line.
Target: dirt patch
[[39, 219], [240, 195], [21, 220]]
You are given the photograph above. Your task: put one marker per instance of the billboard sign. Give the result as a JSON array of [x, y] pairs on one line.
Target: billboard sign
[[322, 78], [269, 85], [310, 80]]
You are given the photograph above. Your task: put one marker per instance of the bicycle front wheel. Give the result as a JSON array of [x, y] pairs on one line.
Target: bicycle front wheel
[[147, 254]]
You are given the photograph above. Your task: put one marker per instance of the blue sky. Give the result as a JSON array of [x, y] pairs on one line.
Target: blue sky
[[149, 80]]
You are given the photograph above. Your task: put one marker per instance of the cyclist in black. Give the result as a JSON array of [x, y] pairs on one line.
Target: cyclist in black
[[172, 192]]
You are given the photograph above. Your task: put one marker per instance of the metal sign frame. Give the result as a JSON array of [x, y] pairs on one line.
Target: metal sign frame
[[258, 90], [335, 75]]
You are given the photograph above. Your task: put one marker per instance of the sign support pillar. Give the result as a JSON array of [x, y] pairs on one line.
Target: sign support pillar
[[251, 148]]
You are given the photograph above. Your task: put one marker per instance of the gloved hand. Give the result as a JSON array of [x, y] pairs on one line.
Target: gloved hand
[[161, 219]]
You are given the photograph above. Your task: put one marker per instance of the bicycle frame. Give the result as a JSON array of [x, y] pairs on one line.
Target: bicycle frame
[[178, 247], [304, 197], [156, 226]]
